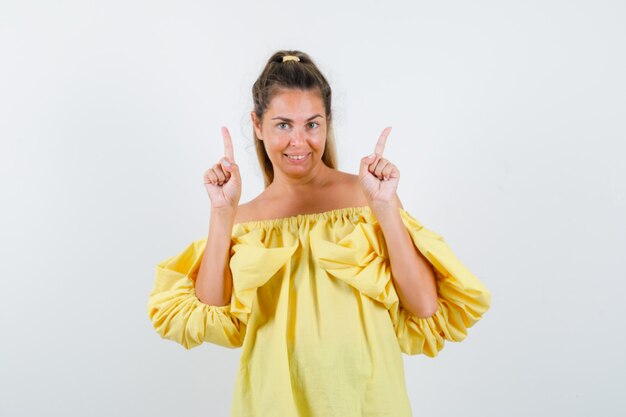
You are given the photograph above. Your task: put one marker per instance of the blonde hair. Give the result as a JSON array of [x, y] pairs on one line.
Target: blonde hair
[[301, 74]]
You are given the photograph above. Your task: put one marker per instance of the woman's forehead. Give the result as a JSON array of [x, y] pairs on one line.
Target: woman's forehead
[[296, 103]]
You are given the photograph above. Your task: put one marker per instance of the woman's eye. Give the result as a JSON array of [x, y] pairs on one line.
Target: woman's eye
[[281, 124], [313, 124]]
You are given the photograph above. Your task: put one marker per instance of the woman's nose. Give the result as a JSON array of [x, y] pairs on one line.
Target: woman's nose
[[298, 137]]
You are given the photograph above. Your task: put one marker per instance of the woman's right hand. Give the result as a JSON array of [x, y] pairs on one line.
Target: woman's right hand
[[222, 181]]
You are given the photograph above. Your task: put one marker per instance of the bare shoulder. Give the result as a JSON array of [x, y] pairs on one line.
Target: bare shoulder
[[349, 186], [347, 189], [345, 179], [341, 191], [246, 212]]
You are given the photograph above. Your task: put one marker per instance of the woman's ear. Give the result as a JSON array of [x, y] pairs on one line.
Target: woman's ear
[[256, 123]]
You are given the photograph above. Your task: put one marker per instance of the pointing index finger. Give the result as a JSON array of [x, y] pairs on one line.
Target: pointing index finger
[[382, 139], [228, 144]]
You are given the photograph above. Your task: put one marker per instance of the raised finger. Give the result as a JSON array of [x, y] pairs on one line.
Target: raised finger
[[382, 139], [228, 144]]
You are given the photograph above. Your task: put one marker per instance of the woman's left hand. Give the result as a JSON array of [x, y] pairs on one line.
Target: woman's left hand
[[379, 178]]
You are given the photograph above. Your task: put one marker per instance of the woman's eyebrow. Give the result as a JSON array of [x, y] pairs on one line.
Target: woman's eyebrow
[[289, 120]]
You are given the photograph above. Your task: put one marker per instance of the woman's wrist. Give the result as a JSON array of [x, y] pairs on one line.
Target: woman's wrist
[[384, 207], [222, 214], [386, 212]]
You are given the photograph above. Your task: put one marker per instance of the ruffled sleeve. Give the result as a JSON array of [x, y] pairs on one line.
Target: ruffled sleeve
[[462, 300], [177, 314], [361, 259]]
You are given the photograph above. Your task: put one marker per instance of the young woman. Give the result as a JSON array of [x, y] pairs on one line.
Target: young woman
[[323, 279]]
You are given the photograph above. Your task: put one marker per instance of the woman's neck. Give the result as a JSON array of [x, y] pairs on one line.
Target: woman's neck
[[286, 185]]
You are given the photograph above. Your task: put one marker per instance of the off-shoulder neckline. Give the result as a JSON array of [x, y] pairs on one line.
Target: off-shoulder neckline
[[297, 218]]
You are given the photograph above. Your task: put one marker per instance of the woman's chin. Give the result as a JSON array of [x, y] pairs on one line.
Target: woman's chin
[[301, 169]]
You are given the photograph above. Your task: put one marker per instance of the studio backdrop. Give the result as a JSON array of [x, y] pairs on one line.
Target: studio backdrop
[[508, 131]]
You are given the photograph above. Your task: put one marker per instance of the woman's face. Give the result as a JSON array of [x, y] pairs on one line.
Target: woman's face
[[293, 131]]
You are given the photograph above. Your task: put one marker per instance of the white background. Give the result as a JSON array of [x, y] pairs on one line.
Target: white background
[[508, 128]]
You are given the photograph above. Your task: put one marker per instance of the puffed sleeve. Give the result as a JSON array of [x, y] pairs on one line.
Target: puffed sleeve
[[177, 314], [361, 259], [462, 298]]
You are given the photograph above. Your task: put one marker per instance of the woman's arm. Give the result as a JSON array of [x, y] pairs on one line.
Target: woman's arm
[[214, 282], [413, 275]]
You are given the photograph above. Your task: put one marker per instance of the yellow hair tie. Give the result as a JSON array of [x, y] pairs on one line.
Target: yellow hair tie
[[290, 58]]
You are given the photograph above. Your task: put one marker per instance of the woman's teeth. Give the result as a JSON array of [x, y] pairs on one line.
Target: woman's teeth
[[296, 156]]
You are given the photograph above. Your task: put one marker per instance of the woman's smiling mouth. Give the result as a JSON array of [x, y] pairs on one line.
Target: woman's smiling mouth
[[297, 158]]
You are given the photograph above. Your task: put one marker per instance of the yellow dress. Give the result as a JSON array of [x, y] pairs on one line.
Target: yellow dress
[[316, 313]]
